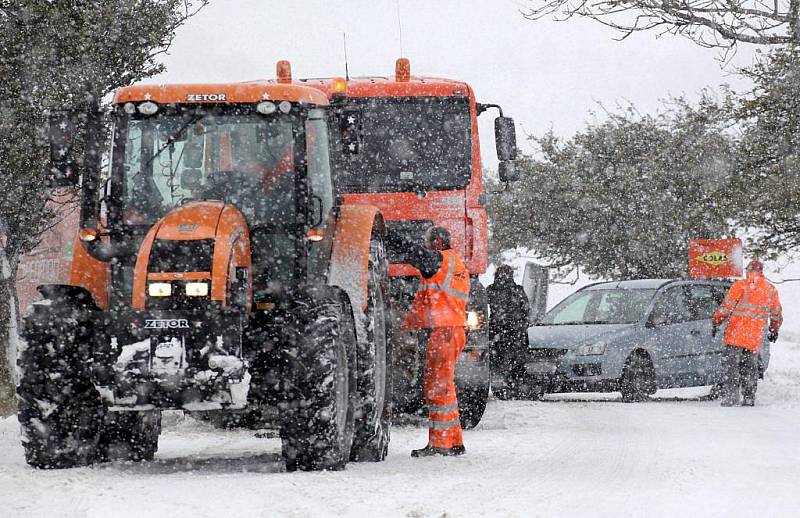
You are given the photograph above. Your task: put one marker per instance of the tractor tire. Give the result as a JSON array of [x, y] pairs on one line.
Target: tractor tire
[[59, 410], [319, 410], [472, 405], [131, 436], [374, 407], [638, 378]]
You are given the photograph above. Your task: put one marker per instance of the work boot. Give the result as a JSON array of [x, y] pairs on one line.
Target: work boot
[[430, 451], [454, 451], [427, 451]]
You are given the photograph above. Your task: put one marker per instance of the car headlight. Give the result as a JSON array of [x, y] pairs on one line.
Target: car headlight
[[159, 289], [196, 289], [474, 320], [591, 349]]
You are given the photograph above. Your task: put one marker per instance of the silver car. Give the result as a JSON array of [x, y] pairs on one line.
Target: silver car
[[629, 336]]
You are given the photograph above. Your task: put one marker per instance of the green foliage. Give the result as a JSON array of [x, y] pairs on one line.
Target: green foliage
[[622, 197], [60, 55]]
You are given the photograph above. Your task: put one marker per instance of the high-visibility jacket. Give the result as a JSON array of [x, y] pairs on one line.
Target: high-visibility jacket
[[442, 299], [749, 306]]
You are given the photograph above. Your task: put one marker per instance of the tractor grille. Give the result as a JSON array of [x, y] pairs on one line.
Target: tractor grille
[[181, 256]]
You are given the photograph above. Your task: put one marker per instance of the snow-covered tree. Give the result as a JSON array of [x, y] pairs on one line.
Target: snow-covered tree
[[769, 154], [57, 55], [710, 23], [621, 198]]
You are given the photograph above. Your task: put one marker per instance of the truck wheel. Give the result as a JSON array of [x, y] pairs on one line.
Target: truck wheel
[[131, 435], [374, 408], [638, 378], [318, 422], [471, 405], [59, 410]]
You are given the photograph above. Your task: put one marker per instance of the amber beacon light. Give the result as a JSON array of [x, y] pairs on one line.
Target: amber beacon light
[[402, 70], [283, 70]]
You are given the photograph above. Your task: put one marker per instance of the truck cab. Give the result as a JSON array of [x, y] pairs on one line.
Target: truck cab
[[409, 145]]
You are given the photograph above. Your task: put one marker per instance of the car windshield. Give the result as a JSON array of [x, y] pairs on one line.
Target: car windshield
[[415, 143], [237, 156], [601, 306]]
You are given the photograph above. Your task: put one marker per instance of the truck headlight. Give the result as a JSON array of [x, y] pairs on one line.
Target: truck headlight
[[196, 289], [474, 320], [591, 349], [159, 289]]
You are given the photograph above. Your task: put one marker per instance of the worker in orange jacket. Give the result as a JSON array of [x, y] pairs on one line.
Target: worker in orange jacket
[[440, 306], [750, 307]]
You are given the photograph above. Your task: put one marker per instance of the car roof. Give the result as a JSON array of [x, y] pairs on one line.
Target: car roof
[[651, 284]]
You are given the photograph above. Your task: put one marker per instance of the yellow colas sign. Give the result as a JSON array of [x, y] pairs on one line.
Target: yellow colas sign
[[714, 258]]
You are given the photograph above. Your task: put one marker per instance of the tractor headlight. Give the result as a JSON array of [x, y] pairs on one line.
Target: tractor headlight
[[196, 289], [474, 320], [159, 289], [591, 349]]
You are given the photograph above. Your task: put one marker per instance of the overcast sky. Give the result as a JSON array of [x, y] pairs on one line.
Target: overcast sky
[[544, 73]]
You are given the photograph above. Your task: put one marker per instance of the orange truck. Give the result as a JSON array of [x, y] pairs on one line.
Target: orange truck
[[209, 269], [409, 145]]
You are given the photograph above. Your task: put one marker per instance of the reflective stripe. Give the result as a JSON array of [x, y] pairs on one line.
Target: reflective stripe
[[443, 425], [750, 315], [441, 409]]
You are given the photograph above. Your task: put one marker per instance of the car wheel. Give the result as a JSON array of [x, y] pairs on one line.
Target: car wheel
[[638, 378]]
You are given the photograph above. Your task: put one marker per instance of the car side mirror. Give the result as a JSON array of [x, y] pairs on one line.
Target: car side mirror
[[505, 136], [62, 133]]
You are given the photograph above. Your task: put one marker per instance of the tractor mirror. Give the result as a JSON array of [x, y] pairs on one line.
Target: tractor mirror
[[351, 130], [505, 137], [61, 135], [508, 171]]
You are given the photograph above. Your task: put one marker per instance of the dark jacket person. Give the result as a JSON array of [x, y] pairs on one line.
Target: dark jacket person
[[508, 324]]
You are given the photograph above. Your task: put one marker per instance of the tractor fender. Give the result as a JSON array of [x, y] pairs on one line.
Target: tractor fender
[[349, 266]]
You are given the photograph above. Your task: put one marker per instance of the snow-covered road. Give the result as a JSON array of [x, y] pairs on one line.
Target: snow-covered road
[[577, 455]]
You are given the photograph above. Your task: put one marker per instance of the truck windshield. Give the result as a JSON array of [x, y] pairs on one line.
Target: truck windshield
[[237, 156], [412, 143], [613, 306]]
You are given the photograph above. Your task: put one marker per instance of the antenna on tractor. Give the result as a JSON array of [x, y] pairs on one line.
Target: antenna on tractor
[[399, 27], [346, 70]]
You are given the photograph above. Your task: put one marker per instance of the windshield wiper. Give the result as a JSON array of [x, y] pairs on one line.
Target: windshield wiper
[[173, 138]]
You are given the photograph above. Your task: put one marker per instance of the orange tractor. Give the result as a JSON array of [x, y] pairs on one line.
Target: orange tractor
[[211, 270], [409, 146]]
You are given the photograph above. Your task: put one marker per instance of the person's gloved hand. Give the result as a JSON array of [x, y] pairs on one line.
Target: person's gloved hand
[[714, 329], [772, 336]]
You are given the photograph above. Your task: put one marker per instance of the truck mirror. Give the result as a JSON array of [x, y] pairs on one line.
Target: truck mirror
[[505, 137], [508, 171], [61, 134], [351, 130]]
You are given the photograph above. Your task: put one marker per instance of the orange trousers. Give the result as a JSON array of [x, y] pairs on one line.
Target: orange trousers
[[439, 388]]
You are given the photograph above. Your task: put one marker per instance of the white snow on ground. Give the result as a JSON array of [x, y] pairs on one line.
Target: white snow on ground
[[570, 455]]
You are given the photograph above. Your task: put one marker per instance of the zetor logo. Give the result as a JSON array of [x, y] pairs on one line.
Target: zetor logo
[[714, 258], [166, 323], [198, 98]]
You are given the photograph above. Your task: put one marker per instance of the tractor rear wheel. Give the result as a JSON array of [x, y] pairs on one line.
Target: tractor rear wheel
[[319, 410], [374, 408], [59, 410]]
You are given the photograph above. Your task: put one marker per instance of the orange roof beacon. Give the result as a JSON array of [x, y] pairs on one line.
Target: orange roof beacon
[[213, 271], [409, 146]]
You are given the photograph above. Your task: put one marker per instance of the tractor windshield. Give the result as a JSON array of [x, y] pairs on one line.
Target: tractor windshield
[[412, 143], [237, 156]]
